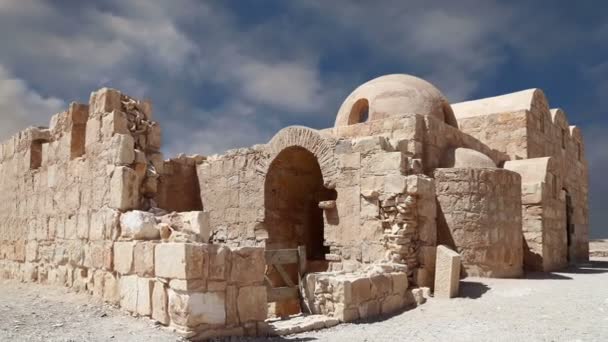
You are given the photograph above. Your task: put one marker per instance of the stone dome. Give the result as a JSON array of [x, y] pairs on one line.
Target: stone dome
[[466, 158], [393, 95]]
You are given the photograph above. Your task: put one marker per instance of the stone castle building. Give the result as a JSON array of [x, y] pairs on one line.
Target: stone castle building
[[344, 222]]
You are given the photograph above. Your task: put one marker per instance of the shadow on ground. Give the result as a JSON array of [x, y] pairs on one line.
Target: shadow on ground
[[472, 289], [590, 267]]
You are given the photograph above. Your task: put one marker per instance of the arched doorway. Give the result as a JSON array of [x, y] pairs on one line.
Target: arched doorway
[[292, 192]]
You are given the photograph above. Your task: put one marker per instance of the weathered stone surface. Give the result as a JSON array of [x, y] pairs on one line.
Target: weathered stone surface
[[192, 309], [139, 225], [143, 259], [447, 273], [144, 296], [128, 292], [179, 260], [123, 257], [252, 303], [369, 196], [160, 303], [124, 190], [248, 265]]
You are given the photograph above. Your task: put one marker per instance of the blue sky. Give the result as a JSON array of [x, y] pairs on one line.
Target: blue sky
[[231, 73]]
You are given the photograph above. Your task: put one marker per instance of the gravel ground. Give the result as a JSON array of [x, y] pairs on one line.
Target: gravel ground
[[564, 306], [33, 312]]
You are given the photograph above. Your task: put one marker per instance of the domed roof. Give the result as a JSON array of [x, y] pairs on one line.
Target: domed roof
[[393, 95], [466, 158]]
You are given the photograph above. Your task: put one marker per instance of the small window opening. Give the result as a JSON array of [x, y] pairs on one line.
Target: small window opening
[[77, 143], [563, 138], [542, 123], [359, 113], [36, 154], [579, 149], [555, 190]]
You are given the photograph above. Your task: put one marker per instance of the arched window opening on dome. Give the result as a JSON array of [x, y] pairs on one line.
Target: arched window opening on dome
[[359, 112]]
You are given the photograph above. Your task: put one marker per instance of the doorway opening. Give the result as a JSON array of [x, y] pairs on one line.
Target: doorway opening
[[569, 227], [292, 192]]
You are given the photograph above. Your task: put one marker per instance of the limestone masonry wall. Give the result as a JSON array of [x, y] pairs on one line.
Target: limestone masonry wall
[[354, 213], [522, 125], [69, 200], [486, 233]]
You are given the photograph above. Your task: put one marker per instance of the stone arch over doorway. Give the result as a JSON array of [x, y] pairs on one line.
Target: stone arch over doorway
[[293, 188], [320, 145]]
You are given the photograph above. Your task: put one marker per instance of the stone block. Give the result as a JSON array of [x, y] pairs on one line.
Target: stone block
[[392, 304], [248, 265], [190, 309], [160, 303], [104, 224], [115, 122], [105, 100], [400, 283], [197, 222], [100, 255], [345, 314], [447, 272], [252, 304], [369, 309], [128, 292], [219, 263], [361, 290], [144, 296], [395, 184], [190, 285], [31, 251], [139, 225], [384, 163], [123, 257], [111, 290], [180, 260], [124, 189], [122, 149], [143, 258], [98, 279]]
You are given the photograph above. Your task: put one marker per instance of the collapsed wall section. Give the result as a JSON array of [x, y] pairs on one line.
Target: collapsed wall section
[[82, 207]]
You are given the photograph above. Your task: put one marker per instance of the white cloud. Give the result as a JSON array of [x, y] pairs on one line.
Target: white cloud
[[292, 86], [21, 106]]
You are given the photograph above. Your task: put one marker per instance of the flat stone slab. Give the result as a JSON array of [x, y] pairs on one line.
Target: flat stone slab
[[300, 323]]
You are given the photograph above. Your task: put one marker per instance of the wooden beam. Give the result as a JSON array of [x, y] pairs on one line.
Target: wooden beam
[[302, 260], [281, 257], [279, 294], [284, 275]]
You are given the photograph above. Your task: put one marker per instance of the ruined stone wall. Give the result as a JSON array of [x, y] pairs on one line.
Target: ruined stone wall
[[178, 186], [362, 294], [232, 192], [380, 213], [480, 217], [70, 215]]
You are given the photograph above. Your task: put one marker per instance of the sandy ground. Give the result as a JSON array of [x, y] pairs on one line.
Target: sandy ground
[[563, 306]]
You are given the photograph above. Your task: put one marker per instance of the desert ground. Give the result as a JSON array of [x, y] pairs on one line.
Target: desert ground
[[562, 306]]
